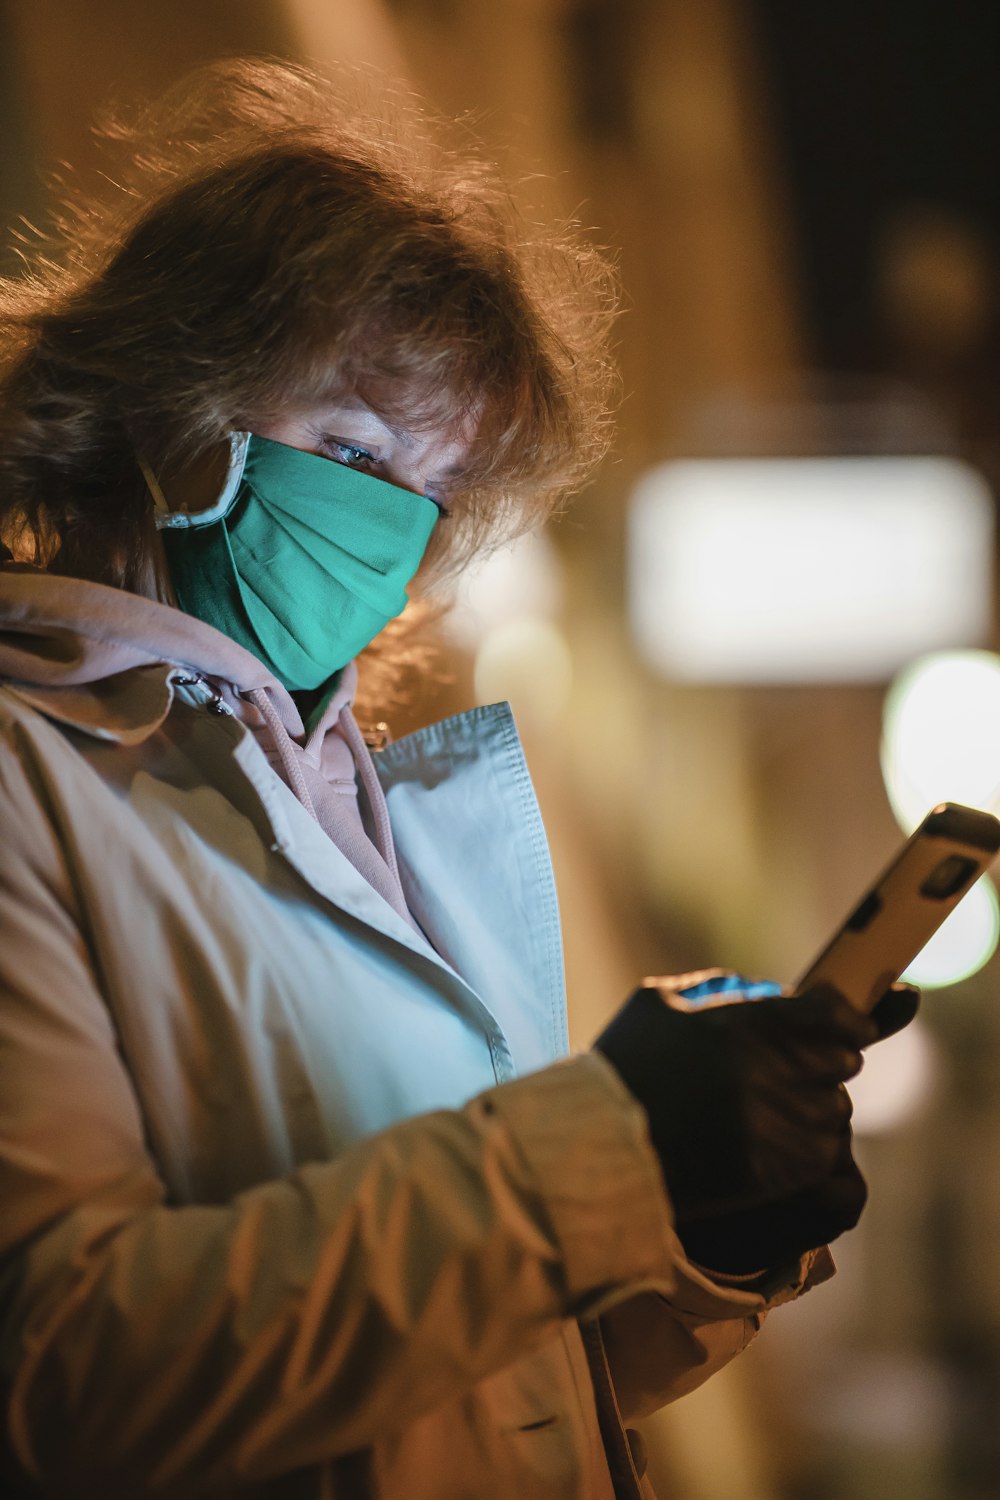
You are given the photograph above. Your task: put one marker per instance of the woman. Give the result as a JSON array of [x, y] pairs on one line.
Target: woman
[[298, 1200]]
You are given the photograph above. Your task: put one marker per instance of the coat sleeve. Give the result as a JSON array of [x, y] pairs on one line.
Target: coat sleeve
[[147, 1346], [659, 1346]]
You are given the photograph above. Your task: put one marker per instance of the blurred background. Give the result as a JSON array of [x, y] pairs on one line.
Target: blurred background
[[761, 644]]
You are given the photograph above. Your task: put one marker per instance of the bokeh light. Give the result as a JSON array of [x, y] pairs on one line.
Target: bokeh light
[[941, 734], [965, 941], [941, 743]]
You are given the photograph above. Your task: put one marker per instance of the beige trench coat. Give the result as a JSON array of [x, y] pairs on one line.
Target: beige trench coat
[[295, 1203]]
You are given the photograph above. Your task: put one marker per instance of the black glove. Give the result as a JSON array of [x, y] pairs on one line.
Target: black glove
[[755, 1240], [745, 1099], [774, 1234]]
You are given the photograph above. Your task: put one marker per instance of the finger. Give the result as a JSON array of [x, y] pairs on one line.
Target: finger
[[895, 1009], [776, 1233], [825, 1065], [803, 1115], [827, 1108], [824, 1012], [804, 1125], [797, 1059], [796, 1159], [844, 1198], [777, 1172]]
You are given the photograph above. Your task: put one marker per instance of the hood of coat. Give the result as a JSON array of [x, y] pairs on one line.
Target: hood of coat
[[65, 639]]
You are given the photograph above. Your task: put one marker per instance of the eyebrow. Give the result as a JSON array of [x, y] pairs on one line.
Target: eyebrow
[[402, 435], [354, 406]]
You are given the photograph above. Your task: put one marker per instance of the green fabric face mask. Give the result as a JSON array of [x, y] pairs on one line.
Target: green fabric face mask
[[300, 560]]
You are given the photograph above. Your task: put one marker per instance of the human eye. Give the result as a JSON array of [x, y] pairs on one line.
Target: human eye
[[348, 454]]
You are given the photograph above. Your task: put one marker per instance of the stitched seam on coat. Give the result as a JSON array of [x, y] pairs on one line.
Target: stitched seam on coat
[[551, 934]]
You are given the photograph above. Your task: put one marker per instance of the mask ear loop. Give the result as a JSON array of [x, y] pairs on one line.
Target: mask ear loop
[[219, 509], [153, 485]]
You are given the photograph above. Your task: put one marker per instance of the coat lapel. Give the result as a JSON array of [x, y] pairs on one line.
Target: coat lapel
[[475, 868], [469, 839]]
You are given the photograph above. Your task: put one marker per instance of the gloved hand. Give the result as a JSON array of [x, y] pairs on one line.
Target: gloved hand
[[751, 1241], [743, 1089]]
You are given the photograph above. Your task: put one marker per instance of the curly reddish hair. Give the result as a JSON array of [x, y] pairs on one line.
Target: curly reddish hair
[[269, 238]]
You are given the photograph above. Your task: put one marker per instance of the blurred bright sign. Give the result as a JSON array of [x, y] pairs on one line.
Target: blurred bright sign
[[804, 570]]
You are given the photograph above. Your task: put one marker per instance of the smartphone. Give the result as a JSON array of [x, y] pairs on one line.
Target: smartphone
[[907, 904]]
